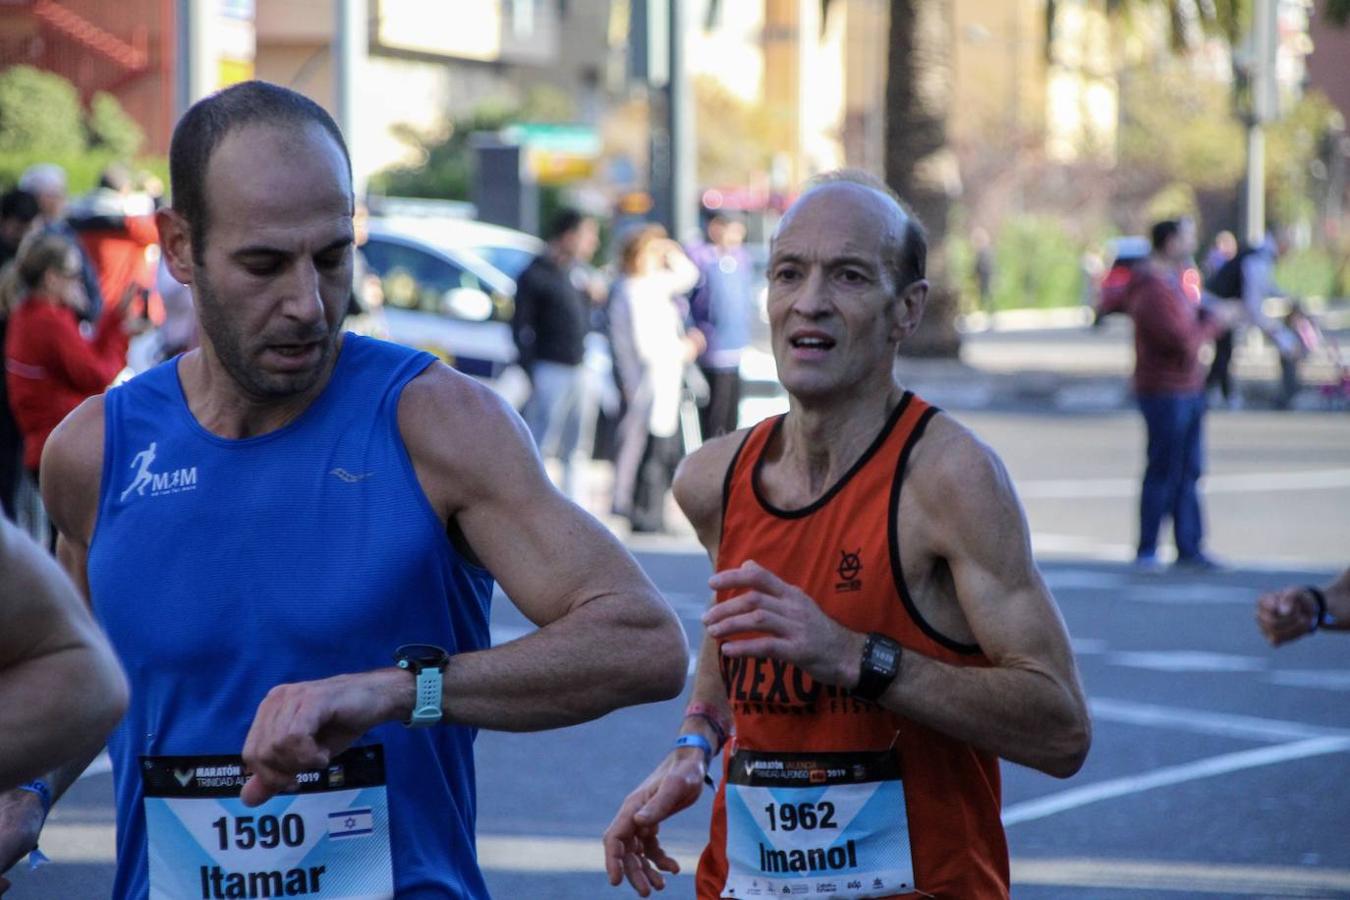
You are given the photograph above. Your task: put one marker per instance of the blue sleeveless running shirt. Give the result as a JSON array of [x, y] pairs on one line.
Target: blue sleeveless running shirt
[[221, 568]]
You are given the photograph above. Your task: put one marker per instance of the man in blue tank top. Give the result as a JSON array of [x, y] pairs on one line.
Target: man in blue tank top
[[290, 536]]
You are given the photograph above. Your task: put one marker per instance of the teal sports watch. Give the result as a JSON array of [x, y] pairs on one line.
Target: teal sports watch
[[427, 664]]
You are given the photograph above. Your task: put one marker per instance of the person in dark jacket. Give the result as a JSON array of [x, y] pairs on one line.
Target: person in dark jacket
[[553, 314], [18, 209]]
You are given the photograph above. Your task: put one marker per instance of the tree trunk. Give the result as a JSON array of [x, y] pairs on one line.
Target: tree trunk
[[919, 165]]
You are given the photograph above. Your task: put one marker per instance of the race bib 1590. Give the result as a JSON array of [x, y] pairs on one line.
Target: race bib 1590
[[327, 840], [821, 825]]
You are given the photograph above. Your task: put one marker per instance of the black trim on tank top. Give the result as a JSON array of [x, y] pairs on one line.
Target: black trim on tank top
[[893, 534], [838, 485], [727, 479]]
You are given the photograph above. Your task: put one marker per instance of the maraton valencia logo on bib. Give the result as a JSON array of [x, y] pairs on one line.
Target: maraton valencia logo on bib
[[850, 568], [157, 479]]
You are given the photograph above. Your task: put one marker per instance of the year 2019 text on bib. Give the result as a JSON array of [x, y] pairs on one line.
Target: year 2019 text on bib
[[327, 840]]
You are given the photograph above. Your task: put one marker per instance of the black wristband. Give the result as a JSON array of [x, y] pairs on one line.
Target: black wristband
[[1321, 600], [880, 666]]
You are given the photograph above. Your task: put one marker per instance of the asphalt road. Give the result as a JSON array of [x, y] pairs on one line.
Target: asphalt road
[[1219, 766]]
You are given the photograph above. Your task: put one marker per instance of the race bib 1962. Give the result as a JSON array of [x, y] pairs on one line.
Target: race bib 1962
[[326, 840], [821, 825]]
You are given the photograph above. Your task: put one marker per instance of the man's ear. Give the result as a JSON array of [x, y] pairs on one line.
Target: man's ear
[[909, 309], [175, 242]]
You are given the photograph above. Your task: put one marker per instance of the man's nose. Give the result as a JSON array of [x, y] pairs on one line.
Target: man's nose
[[813, 299], [304, 301]]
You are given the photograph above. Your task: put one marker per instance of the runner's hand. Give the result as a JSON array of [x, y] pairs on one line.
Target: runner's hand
[[631, 845], [1285, 615], [21, 821], [777, 620], [300, 727]]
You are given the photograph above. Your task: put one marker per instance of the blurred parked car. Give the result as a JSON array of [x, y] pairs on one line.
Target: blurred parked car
[[443, 296]]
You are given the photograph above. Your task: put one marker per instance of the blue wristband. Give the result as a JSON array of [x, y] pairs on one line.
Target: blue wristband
[[44, 793], [699, 741]]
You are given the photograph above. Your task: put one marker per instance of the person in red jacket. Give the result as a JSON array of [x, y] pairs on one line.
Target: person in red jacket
[[1169, 386], [50, 367]]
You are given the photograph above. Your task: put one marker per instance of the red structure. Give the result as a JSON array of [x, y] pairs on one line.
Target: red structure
[[123, 47]]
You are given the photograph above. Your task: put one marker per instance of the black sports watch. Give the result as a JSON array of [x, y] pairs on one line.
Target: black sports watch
[[880, 666], [427, 664]]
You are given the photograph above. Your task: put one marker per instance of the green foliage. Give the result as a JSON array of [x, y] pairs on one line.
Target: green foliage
[[1175, 201], [1292, 143], [1314, 272], [445, 166], [736, 140], [41, 122], [1036, 264], [1179, 128], [111, 129], [39, 113]]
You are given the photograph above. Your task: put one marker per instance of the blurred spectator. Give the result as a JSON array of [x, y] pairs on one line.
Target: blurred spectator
[[18, 209], [1290, 613], [554, 295], [47, 183], [50, 367], [651, 351], [1245, 281], [1169, 387], [1225, 247], [178, 332], [365, 312], [1308, 338], [115, 225], [721, 308]]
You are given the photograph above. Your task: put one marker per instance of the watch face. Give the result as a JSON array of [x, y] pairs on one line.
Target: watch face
[[422, 655]]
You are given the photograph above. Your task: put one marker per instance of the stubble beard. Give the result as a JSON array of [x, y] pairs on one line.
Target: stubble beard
[[229, 344]]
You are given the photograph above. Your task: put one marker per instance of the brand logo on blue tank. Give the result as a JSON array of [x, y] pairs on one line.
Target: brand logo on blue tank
[[157, 481]]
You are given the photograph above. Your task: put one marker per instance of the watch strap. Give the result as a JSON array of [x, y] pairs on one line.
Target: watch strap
[[427, 703]]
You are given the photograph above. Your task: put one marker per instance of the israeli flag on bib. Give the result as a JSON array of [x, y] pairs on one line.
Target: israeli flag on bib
[[350, 823]]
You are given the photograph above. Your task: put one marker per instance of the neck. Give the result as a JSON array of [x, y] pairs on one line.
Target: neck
[[822, 439], [223, 407]]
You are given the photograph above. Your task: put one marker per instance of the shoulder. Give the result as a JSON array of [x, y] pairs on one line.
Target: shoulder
[[699, 483], [957, 478], [72, 469], [457, 428]]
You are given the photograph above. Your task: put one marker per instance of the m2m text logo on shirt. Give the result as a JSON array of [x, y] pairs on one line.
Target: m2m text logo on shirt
[[171, 481]]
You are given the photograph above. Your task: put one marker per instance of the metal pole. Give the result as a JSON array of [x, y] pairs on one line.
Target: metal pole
[[349, 52], [1263, 110], [680, 119]]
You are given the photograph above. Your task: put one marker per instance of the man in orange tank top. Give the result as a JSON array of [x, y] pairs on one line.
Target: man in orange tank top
[[872, 651]]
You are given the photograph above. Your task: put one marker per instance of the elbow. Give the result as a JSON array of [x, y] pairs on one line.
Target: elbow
[[664, 665], [1069, 746], [113, 699]]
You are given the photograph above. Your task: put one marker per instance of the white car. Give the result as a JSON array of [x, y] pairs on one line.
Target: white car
[[443, 296]]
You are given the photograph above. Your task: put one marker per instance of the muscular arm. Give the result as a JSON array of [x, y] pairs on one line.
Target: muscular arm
[[76, 703], [61, 689], [1027, 707], [606, 639]]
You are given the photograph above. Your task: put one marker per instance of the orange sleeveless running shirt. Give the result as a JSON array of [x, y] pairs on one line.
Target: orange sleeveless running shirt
[[843, 551]]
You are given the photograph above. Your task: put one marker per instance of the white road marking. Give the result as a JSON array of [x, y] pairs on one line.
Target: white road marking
[[83, 843], [1084, 579], [1087, 646], [1110, 789], [1326, 679], [1189, 594], [1198, 721], [1207, 878], [1186, 661], [1234, 483], [1043, 543]]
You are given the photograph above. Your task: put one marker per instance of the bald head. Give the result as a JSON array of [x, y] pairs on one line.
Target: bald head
[[855, 193]]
